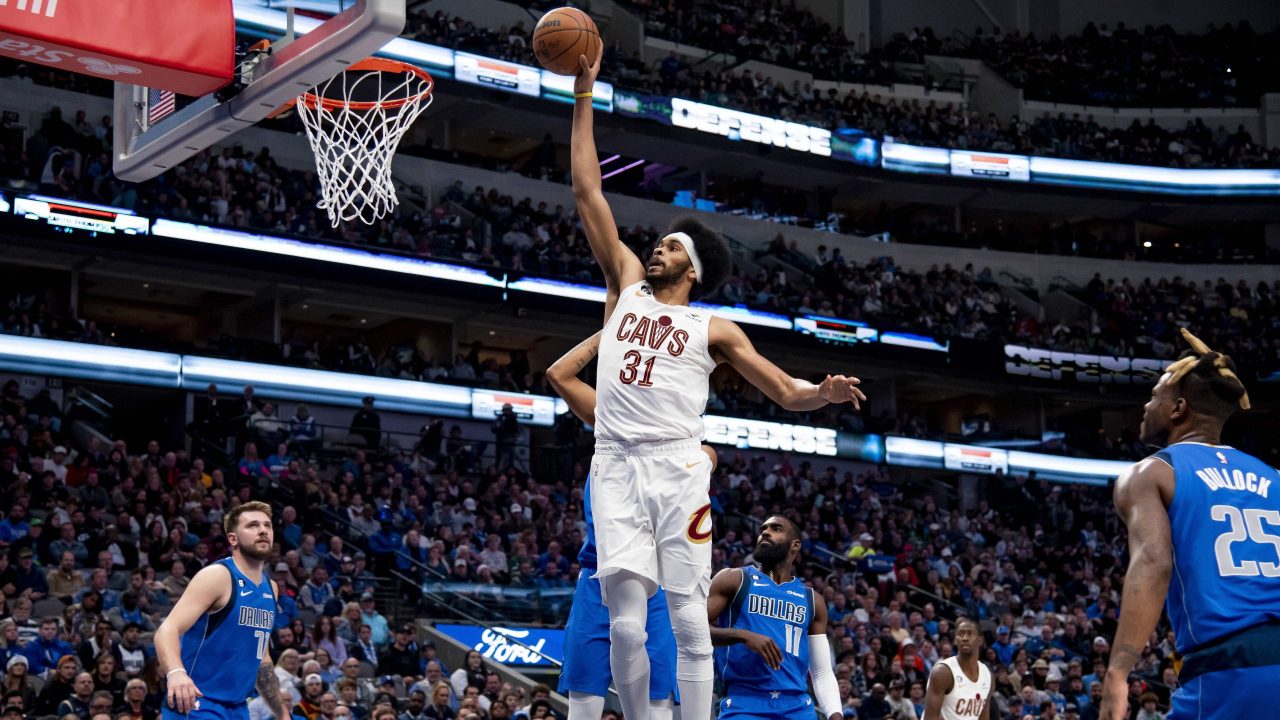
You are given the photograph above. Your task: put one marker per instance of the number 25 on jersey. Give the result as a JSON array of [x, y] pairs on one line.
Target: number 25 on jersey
[[1245, 525]]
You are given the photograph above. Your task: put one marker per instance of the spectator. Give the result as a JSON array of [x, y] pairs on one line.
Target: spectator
[[47, 649], [77, 703], [417, 708], [252, 468], [506, 428], [133, 654], [473, 673], [308, 705], [17, 681], [364, 649], [303, 433], [441, 699], [60, 686], [65, 581], [324, 636], [30, 579], [266, 427], [401, 657], [317, 592], [136, 702], [367, 424]]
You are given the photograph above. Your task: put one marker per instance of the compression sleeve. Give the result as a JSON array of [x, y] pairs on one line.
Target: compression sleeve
[[826, 690]]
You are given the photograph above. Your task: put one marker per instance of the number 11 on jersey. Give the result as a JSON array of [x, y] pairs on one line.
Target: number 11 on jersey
[[794, 634]]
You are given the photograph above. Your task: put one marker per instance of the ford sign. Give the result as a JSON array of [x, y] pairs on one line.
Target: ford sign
[[511, 646]]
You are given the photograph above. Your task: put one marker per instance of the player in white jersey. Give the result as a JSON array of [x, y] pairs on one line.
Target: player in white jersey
[[649, 480], [960, 686]]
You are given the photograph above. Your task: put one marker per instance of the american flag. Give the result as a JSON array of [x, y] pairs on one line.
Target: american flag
[[159, 104]]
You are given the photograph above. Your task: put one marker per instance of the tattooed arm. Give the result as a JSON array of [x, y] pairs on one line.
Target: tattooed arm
[[269, 688], [1142, 496], [268, 684], [563, 376]]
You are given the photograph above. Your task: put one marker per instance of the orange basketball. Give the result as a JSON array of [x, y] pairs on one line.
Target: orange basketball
[[561, 36]]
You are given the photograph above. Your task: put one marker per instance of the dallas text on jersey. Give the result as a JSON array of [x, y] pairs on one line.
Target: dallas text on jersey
[[777, 609]]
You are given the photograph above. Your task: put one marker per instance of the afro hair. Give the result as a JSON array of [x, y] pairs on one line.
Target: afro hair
[[713, 251]]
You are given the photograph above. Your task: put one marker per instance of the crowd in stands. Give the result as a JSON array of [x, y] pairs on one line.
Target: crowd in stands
[[237, 188], [99, 539], [929, 123], [1120, 66]]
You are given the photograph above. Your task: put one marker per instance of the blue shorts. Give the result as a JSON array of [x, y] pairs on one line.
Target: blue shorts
[[207, 709], [586, 650], [1236, 694], [791, 706]]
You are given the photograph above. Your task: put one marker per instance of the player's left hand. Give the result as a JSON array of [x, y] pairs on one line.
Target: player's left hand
[[1115, 698], [841, 389], [588, 69]]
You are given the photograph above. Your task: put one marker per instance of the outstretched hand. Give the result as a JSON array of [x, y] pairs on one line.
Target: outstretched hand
[[587, 72], [841, 389]]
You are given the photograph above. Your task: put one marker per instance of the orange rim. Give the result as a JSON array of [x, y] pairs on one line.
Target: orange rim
[[312, 101]]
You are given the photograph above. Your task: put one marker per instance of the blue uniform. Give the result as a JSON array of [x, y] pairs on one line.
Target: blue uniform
[[586, 654], [223, 650], [1225, 590], [782, 613]]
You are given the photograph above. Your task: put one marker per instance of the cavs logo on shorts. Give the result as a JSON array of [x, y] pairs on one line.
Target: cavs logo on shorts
[[700, 518]]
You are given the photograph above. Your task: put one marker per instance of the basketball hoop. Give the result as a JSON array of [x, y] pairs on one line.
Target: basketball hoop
[[354, 123]]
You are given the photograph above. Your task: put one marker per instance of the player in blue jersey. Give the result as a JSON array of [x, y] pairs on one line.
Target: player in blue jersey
[[772, 635], [1204, 530], [213, 646], [586, 672]]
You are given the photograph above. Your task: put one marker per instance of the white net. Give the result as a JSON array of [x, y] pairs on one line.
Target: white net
[[354, 123]]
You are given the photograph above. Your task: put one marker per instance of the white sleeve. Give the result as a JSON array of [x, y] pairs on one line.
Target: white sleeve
[[826, 691]]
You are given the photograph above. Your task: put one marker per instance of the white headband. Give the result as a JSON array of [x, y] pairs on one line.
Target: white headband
[[687, 243]]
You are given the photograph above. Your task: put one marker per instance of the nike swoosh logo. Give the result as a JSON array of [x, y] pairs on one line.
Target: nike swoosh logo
[[246, 592], [759, 584], [691, 465], [641, 293]]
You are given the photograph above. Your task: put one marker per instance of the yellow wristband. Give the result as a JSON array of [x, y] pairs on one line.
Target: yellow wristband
[[579, 96]]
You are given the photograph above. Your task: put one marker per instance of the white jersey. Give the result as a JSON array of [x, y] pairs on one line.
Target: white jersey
[[966, 697], [654, 365]]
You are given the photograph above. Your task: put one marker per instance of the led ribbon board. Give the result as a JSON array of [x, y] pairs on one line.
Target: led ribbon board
[[59, 358]]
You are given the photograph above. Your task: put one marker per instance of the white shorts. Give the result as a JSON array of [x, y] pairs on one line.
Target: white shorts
[[652, 513]]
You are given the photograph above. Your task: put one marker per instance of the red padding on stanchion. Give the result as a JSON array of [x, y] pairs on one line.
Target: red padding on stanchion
[[187, 46]]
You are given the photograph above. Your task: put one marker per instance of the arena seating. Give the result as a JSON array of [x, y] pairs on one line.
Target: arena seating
[[128, 524], [240, 189], [1197, 145]]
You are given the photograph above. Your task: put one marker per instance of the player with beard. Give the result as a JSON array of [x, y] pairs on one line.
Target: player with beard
[[223, 619], [755, 611], [960, 686], [649, 482], [1204, 544]]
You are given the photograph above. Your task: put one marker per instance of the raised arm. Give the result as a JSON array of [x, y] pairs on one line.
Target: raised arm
[[563, 376], [621, 267], [729, 344], [1140, 505], [209, 590], [826, 689]]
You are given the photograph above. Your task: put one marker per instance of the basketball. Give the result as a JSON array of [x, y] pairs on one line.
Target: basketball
[[561, 36]]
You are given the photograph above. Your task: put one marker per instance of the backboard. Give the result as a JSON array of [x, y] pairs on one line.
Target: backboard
[[333, 35]]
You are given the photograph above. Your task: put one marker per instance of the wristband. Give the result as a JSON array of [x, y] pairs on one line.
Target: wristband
[[175, 670], [581, 95]]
